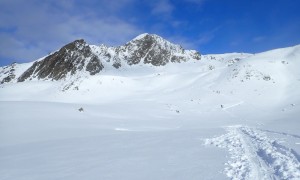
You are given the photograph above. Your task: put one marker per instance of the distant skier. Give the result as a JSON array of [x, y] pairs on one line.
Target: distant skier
[[80, 109]]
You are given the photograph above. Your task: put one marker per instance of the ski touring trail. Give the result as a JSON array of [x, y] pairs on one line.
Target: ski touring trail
[[254, 155]]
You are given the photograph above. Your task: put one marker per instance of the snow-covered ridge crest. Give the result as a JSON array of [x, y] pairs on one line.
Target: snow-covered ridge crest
[[78, 57]]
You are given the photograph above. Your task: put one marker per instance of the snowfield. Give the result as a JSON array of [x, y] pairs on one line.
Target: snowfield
[[227, 116]]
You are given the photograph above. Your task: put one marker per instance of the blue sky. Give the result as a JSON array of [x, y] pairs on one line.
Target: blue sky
[[30, 29]]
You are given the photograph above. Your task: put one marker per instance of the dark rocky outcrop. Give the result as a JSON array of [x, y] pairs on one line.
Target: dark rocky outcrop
[[8, 78], [68, 60], [139, 49], [94, 66], [154, 50], [158, 57], [9, 73]]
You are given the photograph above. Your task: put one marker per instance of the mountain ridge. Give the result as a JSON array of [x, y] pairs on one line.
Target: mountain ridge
[[80, 56]]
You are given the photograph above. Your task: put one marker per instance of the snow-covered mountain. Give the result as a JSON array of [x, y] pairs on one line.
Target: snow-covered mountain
[[151, 110], [78, 57]]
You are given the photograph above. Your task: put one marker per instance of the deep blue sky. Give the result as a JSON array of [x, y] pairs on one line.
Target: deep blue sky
[[30, 29]]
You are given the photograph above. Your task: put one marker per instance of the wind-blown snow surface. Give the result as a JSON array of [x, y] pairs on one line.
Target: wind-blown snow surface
[[230, 116]]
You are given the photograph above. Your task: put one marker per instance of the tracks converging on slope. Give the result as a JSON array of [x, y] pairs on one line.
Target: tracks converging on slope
[[254, 155]]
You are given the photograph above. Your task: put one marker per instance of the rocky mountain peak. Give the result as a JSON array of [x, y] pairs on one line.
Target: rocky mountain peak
[[70, 59], [153, 49], [147, 41]]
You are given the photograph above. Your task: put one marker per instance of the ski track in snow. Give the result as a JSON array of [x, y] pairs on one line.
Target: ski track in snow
[[254, 155], [281, 133], [233, 105]]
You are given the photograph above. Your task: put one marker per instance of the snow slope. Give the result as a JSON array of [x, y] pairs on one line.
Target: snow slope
[[227, 116]]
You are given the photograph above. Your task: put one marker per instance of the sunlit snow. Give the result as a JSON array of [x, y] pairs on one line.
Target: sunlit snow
[[226, 116]]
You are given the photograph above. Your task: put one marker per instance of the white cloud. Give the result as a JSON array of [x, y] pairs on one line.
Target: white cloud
[[198, 2], [208, 36], [184, 42], [258, 39], [35, 28], [19, 51], [205, 39], [162, 7]]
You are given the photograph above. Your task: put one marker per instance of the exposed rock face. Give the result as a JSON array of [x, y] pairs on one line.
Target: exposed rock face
[[150, 49], [69, 59], [94, 66], [154, 50], [8, 73], [8, 79]]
